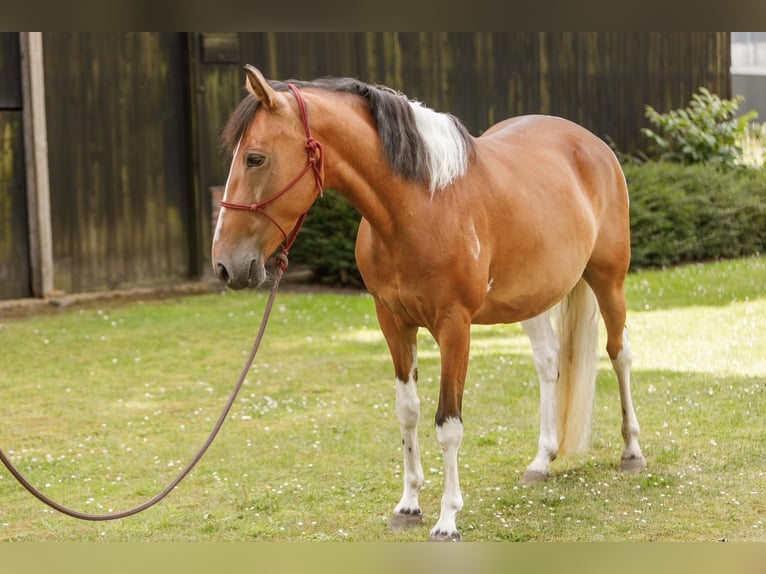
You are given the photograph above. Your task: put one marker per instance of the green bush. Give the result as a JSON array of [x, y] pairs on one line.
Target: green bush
[[326, 242], [707, 131], [694, 213]]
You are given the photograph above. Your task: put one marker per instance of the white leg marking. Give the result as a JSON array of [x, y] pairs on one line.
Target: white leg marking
[[632, 458], [545, 350], [489, 285], [449, 435], [408, 413], [222, 210]]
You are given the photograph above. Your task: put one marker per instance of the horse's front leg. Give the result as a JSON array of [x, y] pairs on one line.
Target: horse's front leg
[[454, 344], [407, 513], [402, 342]]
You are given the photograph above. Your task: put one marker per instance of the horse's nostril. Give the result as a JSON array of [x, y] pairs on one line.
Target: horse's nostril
[[222, 272]]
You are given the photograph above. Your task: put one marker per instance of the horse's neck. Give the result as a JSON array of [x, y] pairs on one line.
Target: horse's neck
[[356, 168]]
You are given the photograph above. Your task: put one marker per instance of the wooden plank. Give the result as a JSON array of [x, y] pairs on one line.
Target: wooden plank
[[10, 71], [199, 232], [15, 281], [36, 148], [219, 47], [217, 90]]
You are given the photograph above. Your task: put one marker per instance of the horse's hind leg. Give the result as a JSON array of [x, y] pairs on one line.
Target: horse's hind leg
[[609, 290], [632, 458], [401, 341], [545, 350]]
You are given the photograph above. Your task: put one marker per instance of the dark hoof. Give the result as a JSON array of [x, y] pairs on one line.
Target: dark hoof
[[534, 477], [406, 520], [632, 464], [440, 536]]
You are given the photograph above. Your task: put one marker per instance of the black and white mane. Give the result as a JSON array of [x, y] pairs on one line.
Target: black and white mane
[[420, 144]]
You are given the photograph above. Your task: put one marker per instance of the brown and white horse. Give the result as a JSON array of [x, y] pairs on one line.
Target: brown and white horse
[[456, 230]]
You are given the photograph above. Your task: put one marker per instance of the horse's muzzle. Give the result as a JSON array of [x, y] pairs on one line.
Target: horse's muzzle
[[239, 276]]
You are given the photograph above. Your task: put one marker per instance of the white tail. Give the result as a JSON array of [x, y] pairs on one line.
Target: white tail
[[578, 339]]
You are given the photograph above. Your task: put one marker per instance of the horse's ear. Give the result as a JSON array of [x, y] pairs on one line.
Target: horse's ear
[[257, 85]]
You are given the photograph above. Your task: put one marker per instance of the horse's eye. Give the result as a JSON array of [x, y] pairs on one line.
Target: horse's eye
[[255, 160]]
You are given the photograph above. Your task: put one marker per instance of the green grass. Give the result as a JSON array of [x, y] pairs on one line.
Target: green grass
[[102, 405]]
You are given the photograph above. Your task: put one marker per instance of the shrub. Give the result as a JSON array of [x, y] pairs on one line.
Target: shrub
[[326, 242], [694, 213], [707, 131]]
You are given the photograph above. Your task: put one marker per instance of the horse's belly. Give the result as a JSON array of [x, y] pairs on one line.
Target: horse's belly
[[498, 312], [506, 306]]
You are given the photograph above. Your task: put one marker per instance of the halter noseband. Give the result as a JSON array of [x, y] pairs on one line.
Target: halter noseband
[[315, 158]]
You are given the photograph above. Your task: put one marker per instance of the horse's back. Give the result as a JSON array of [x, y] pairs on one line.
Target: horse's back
[[547, 136], [540, 148], [534, 123]]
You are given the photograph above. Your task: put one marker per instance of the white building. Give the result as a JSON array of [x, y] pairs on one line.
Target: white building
[[748, 71]]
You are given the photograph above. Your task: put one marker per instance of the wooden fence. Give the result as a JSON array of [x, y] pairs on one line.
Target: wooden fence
[[601, 80], [118, 161], [133, 121]]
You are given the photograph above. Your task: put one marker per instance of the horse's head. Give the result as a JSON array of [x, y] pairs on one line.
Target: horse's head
[[275, 173]]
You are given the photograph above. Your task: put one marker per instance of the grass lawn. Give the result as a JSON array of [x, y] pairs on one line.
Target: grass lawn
[[101, 406]]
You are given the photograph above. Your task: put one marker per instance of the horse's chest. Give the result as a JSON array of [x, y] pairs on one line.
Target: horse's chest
[[410, 305], [425, 300], [419, 279]]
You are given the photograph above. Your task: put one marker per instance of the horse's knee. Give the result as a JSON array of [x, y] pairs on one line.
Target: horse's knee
[[407, 404], [450, 434]]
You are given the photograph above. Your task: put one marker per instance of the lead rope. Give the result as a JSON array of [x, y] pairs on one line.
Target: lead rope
[[280, 266]]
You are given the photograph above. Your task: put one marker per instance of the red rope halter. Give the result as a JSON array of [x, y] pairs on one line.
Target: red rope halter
[[315, 159]]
